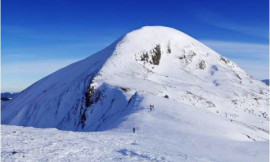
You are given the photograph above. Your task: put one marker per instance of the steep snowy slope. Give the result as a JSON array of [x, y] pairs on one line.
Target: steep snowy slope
[[194, 91]]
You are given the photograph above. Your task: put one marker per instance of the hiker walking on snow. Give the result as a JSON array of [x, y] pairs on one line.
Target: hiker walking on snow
[[134, 129]]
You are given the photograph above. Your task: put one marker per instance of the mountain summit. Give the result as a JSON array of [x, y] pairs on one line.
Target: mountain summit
[[192, 89]]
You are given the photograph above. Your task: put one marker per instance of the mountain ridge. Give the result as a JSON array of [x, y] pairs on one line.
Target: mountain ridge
[[266, 81]]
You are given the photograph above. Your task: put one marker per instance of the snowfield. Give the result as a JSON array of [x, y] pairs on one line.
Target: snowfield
[[206, 108], [35, 144]]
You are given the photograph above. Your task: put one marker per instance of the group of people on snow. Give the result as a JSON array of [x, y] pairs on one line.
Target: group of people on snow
[[152, 108]]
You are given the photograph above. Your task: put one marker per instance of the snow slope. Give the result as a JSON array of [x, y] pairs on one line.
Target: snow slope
[[35, 144], [197, 93]]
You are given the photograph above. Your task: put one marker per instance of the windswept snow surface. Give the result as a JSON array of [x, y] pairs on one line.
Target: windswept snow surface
[[205, 106], [35, 144]]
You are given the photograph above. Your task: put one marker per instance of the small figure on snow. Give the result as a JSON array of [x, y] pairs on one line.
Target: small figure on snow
[[134, 129], [152, 107]]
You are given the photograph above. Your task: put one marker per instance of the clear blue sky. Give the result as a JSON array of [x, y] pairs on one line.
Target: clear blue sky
[[40, 36]]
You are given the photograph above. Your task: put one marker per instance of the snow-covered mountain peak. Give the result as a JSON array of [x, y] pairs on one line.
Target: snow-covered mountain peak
[[168, 52], [194, 90]]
